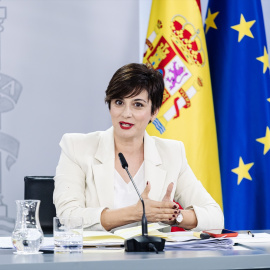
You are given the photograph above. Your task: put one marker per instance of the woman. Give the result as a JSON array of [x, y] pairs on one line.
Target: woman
[[90, 181]]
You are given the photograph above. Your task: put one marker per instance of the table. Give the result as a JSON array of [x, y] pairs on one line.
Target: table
[[257, 257]]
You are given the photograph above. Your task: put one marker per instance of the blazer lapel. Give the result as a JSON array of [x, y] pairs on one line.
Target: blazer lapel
[[153, 172], [103, 170]]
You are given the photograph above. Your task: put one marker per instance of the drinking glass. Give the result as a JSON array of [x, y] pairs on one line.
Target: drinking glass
[[68, 234]]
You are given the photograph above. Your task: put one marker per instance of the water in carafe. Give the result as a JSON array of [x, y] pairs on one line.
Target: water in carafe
[[27, 236]]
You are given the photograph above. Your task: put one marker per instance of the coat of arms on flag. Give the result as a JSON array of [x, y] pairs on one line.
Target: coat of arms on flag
[[176, 55]]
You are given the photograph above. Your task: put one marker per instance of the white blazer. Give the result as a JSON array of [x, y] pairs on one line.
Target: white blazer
[[84, 180]]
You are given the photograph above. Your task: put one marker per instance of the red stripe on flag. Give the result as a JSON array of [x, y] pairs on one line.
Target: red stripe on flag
[[199, 4]]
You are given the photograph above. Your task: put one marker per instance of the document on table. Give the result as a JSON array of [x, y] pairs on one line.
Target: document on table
[[6, 243], [201, 244], [103, 238], [48, 243], [247, 238], [186, 240]]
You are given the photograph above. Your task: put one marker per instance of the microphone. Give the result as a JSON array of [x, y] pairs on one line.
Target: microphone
[[143, 242], [144, 220]]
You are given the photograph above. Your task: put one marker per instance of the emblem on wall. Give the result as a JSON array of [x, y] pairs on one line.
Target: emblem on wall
[[10, 90]]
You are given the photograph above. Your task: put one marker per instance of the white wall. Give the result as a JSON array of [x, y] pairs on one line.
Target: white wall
[[63, 53]]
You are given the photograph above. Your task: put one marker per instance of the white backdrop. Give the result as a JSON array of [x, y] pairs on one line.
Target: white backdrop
[[63, 54], [59, 56]]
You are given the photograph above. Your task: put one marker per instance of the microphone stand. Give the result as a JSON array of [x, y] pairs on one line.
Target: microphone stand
[[143, 242]]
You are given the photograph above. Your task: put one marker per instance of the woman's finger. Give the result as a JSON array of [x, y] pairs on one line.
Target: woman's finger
[[168, 218], [146, 190], [164, 204], [167, 196]]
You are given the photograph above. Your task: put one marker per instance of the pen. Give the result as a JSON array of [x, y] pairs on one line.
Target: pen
[[201, 235], [249, 232]]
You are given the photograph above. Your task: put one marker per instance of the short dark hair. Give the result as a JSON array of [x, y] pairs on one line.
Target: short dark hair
[[130, 80]]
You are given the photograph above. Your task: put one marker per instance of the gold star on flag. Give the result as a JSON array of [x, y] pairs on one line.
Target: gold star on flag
[[268, 99], [243, 28], [265, 60], [242, 171], [265, 140], [209, 21]]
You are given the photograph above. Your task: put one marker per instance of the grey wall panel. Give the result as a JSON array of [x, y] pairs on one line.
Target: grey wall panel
[[63, 54]]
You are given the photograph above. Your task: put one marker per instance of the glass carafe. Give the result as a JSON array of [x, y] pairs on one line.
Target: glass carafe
[[27, 236]]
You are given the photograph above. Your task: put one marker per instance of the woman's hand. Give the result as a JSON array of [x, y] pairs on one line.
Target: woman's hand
[[189, 217], [165, 211], [167, 198]]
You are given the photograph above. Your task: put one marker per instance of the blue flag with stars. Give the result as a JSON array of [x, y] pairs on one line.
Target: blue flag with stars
[[239, 69]]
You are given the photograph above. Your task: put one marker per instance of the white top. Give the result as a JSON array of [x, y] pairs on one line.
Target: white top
[[125, 194]]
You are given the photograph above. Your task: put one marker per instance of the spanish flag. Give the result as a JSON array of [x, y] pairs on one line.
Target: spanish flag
[[175, 46]]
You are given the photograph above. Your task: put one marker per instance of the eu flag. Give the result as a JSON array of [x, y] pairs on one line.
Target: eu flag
[[239, 69]]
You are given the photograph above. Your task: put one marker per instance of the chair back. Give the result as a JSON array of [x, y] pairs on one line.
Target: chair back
[[41, 188]]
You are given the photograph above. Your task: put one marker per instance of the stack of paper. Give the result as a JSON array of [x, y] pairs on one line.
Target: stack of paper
[[103, 238], [202, 244], [247, 238], [186, 240]]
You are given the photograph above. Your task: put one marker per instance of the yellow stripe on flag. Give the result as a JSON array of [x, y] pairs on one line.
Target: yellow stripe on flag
[[175, 45]]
